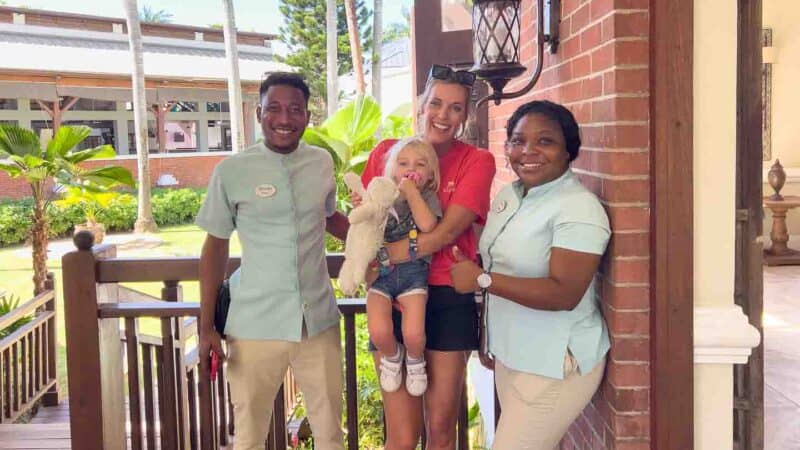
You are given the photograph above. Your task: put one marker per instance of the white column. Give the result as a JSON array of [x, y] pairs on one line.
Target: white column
[[722, 334], [121, 129], [202, 133], [24, 109]]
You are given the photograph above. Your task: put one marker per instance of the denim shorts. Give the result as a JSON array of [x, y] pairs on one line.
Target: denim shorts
[[451, 321], [405, 278]]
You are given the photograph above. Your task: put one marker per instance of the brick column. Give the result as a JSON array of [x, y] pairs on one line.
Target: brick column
[[601, 73]]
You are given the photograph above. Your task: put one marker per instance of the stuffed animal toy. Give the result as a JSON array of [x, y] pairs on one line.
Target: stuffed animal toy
[[367, 223]]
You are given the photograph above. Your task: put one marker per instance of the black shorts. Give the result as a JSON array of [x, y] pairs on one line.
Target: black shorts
[[451, 321]]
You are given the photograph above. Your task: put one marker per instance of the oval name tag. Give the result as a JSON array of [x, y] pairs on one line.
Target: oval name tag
[[500, 206], [266, 190]]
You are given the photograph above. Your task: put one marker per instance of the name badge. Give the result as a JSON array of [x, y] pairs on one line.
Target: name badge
[[451, 186], [500, 206], [266, 190]]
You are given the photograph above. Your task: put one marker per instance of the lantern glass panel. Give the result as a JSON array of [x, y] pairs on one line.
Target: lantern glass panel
[[497, 33]]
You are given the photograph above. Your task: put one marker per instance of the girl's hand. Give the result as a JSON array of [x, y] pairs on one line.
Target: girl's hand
[[355, 199], [407, 186]]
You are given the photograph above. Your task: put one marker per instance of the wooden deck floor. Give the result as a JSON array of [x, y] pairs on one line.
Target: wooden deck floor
[[48, 430]]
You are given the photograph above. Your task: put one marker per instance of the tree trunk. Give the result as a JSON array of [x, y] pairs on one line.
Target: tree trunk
[[234, 84], [144, 217], [355, 45], [333, 60], [377, 37], [39, 240]]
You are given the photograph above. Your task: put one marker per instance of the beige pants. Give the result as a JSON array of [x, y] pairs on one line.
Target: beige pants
[[536, 410], [256, 369]]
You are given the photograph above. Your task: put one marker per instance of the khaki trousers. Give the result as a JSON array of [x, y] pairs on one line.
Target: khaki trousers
[[256, 369], [536, 411]]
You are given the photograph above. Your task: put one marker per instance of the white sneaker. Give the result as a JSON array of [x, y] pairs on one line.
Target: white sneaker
[[392, 371], [416, 378]]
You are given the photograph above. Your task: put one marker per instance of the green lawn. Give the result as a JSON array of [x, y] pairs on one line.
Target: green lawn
[[16, 276]]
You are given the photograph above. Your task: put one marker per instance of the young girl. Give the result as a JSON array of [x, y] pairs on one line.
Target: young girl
[[413, 165]]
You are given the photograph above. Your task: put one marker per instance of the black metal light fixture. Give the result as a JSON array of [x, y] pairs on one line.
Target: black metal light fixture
[[496, 42]]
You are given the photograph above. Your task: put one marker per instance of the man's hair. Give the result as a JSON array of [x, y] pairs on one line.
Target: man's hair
[[294, 80]]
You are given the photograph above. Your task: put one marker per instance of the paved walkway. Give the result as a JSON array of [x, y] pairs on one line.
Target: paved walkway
[[782, 357]]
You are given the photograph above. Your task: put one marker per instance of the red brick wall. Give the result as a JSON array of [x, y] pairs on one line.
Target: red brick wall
[[601, 72], [191, 171]]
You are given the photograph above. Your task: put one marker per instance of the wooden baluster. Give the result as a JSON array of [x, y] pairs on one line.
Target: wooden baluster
[[15, 378], [134, 394], [168, 398], [23, 368], [206, 401], [192, 386], [149, 398], [173, 292], [279, 415], [7, 383], [51, 398], [37, 358], [463, 421], [351, 383], [222, 404]]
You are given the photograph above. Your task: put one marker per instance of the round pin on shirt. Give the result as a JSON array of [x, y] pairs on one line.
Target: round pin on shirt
[[266, 190]]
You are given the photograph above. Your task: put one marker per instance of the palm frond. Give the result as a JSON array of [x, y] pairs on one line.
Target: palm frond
[[66, 138], [103, 151], [18, 141]]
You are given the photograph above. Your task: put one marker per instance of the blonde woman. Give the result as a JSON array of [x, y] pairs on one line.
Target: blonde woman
[[451, 319]]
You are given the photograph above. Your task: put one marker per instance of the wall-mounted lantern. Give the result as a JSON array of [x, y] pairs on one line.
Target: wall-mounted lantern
[[496, 30]]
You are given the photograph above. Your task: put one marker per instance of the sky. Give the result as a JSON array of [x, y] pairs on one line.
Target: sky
[[251, 15]]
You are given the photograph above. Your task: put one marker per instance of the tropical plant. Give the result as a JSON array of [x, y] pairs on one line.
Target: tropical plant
[[349, 136], [144, 214], [151, 15], [397, 127], [26, 158], [89, 199], [8, 303], [305, 34]]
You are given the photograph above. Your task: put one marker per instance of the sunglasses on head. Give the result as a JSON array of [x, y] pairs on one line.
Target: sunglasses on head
[[461, 77]]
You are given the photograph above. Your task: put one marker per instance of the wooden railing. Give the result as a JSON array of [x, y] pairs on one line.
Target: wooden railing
[[28, 356], [192, 411]]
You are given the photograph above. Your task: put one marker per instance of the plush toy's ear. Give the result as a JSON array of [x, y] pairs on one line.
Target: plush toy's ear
[[353, 182]]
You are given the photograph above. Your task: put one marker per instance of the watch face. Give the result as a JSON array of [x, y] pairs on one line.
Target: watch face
[[484, 280]]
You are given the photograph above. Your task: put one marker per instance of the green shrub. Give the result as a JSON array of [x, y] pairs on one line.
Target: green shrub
[[170, 207]]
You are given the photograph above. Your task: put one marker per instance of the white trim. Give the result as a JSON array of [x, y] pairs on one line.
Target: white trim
[[197, 154], [723, 335], [792, 174]]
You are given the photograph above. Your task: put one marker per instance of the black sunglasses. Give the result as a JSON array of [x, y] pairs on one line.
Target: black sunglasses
[[462, 77]]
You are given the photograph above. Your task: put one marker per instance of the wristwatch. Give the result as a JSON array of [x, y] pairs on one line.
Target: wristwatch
[[484, 280]]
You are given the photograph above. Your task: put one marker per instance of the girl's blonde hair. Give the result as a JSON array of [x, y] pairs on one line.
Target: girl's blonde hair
[[424, 149]]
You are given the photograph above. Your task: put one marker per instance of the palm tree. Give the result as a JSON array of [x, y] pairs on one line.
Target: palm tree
[[25, 158], [144, 213], [333, 59], [148, 14], [377, 37], [355, 45], [234, 84]]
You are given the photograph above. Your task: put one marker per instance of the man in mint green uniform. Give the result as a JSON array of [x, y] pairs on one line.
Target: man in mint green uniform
[[280, 197]]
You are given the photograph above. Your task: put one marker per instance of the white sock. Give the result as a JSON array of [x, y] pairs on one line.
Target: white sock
[[412, 360], [397, 356]]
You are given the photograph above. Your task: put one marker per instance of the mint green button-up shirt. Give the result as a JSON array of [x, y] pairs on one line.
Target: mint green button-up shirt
[[278, 205], [519, 234]]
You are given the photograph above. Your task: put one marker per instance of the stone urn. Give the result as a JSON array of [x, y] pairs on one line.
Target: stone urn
[[98, 230], [776, 178]]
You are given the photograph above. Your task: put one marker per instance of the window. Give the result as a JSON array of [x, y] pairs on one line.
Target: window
[[91, 104], [218, 107], [8, 122], [152, 142], [8, 103], [184, 107], [102, 132], [181, 135], [219, 135]]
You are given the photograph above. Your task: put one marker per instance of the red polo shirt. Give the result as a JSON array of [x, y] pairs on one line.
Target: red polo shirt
[[466, 178]]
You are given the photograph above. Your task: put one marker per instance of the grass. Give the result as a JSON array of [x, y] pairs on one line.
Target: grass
[[16, 275]]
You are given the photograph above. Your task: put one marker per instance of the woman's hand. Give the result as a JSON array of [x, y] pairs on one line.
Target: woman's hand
[[486, 360], [464, 273]]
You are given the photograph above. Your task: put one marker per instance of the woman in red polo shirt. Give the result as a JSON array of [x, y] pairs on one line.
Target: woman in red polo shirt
[[451, 322]]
